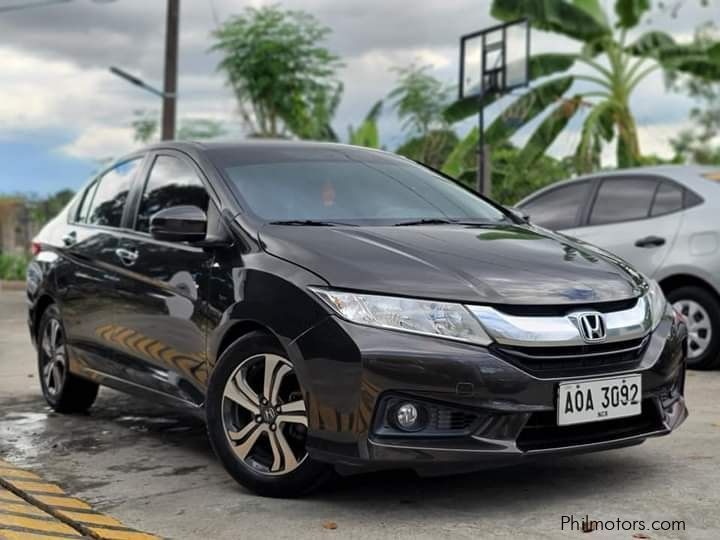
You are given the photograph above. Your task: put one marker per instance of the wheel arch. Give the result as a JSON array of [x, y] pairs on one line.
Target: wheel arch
[[43, 302], [675, 281], [234, 332]]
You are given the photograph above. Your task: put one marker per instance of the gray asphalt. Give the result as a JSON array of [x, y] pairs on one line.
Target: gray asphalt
[[154, 470]]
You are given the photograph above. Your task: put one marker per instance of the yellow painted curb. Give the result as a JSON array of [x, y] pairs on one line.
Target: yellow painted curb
[[33, 509]]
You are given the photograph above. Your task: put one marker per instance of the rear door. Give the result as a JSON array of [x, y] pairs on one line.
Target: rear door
[[636, 218], [86, 277], [163, 287]]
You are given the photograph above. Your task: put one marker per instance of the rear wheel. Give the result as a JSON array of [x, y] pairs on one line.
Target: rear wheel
[[64, 392], [257, 420], [702, 312]]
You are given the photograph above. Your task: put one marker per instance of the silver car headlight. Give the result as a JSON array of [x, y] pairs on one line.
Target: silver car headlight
[[441, 319], [657, 302]]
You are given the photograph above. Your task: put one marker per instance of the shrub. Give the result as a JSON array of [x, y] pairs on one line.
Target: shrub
[[13, 267]]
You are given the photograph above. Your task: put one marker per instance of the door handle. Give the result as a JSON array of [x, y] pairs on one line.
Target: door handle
[[69, 239], [126, 256], [650, 241]]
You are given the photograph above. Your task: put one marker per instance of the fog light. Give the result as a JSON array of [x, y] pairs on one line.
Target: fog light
[[407, 416]]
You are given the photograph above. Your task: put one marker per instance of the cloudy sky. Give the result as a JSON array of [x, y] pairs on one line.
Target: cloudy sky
[[61, 111]]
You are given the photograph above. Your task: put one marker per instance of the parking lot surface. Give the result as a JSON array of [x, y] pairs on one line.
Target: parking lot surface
[[153, 469]]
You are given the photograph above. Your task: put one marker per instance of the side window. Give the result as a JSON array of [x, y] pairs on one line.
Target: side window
[[111, 194], [559, 208], [84, 209], [668, 198], [623, 199], [172, 182]]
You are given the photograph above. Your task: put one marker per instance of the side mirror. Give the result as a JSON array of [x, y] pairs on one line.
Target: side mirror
[[518, 213], [179, 224]]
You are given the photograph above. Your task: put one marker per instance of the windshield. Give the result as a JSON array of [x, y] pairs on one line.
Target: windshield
[[345, 188]]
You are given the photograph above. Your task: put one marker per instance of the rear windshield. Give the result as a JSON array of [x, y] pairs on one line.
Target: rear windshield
[[367, 189]]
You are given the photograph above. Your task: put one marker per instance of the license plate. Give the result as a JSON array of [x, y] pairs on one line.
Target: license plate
[[598, 399]]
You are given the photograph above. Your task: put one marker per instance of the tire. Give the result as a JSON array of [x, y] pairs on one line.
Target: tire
[[64, 392], [702, 311], [261, 445]]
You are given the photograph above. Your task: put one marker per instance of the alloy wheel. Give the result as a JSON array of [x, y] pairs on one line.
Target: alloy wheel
[[54, 367], [264, 415], [699, 326]]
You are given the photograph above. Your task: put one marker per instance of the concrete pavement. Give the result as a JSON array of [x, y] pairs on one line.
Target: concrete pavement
[[154, 470]]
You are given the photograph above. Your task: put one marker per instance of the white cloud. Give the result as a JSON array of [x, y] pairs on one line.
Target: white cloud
[[98, 142]]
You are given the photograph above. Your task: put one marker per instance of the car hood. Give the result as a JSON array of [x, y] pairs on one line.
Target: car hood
[[498, 264]]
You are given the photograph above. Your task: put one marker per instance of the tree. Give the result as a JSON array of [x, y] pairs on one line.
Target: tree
[[700, 144], [612, 67], [420, 100], [146, 124], [284, 80]]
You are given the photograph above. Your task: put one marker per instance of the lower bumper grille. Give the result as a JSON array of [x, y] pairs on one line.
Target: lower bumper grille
[[576, 360], [542, 432]]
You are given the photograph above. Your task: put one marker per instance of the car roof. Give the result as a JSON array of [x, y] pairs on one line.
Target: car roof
[[261, 145], [689, 176]]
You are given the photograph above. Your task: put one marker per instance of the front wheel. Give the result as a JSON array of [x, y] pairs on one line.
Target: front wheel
[[702, 313], [257, 420]]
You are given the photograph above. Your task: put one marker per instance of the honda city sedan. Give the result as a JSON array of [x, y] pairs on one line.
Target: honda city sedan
[[333, 309]]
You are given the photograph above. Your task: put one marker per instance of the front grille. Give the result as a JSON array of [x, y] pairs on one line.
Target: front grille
[[575, 360], [561, 310], [542, 432]]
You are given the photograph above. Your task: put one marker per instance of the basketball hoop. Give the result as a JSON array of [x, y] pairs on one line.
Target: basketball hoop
[[493, 61]]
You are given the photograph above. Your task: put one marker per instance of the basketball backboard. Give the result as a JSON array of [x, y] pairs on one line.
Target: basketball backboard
[[495, 59]]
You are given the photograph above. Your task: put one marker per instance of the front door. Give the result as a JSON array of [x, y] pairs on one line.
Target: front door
[[163, 289]]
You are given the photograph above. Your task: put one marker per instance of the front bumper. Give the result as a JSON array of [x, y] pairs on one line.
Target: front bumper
[[349, 371]]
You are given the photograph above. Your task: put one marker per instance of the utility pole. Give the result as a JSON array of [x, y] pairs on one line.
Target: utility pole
[[171, 62]]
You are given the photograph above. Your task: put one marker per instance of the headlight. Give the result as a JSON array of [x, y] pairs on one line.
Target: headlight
[[441, 319], [657, 301]]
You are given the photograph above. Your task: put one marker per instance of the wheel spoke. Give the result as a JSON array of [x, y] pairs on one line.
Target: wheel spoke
[[57, 375], [47, 343], [54, 334], [283, 456], [293, 412], [236, 436], [275, 371], [243, 449], [240, 393]]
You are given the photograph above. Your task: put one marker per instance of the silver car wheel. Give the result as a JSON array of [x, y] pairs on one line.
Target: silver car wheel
[[54, 368], [699, 326], [264, 415]]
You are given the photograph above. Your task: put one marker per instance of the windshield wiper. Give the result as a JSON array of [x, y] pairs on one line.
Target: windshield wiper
[[312, 223], [427, 221]]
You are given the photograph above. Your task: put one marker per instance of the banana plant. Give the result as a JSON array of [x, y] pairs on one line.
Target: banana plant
[[614, 68], [367, 133]]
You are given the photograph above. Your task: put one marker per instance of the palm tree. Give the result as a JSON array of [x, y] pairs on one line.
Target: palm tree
[[367, 134], [614, 68]]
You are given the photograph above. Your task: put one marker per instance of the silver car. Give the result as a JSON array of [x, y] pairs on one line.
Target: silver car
[[665, 221]]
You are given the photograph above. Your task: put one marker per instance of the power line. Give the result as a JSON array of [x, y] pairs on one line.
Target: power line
[[21, 7]]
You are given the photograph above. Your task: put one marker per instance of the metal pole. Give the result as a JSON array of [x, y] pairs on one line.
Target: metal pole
[[481, 147], [171, 61]]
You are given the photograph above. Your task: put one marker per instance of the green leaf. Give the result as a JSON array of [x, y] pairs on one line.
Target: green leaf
[[545, 64], [466, 107], [457, 161], [650, 44], [548, 130], [553, 16], [525, 108], [630, 11], [598, 126], [593, 8], [714, 53], [367, 134]]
